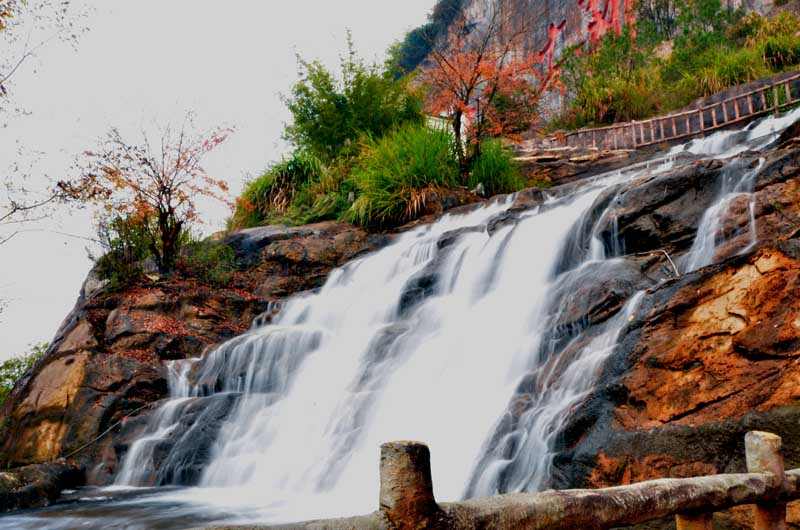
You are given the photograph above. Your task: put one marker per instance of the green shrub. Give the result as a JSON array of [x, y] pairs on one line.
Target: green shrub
[[212, 262], [396, 176], [752, 28], [714, 48], [330, 114], [125, 242], [416, 45], [125, 245], [496, 170], [617, 82], [12, 370]]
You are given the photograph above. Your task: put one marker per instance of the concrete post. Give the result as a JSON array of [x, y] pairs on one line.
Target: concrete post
[[763, 454]]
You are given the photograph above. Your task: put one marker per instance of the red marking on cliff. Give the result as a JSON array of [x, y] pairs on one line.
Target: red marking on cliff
[[546, 55], [609, 18]]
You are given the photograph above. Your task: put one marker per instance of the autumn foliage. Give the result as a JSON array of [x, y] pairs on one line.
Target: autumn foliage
[[156, 185], [484, 81]]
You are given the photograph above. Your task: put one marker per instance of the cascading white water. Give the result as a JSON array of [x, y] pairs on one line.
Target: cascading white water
[[426, 339], [737, 183], [138, 462], [363, 361]]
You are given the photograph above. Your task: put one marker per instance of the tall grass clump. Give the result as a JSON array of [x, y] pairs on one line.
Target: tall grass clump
[[324, 198], [719, 68], [496, 170], [781, 51], [396, 176], [268, 197]]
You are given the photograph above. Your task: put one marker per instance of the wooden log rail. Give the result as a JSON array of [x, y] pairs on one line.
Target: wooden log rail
[[407, 501], [735, 109]]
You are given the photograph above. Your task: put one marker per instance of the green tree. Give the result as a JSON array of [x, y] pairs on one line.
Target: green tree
[[12, 370], [415, 47], [330, 114]]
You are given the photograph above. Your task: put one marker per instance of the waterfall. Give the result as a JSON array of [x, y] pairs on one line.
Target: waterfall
[[429, 338], [405, 344], [737, 183], [138, 462]]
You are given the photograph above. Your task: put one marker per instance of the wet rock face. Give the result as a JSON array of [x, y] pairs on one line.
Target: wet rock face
[[287, 265], [181, 456], [106, 363], [662, 211], [721, 344]]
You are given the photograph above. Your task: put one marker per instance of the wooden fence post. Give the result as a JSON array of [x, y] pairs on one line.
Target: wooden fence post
[[763, 454], [703, 521], [776, 97], [406, 492]]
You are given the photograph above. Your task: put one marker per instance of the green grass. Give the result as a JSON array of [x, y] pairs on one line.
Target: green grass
[[496, 170], [395, 177], [212, 262]]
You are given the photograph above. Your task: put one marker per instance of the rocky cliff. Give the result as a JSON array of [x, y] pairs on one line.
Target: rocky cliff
[[538, 15]]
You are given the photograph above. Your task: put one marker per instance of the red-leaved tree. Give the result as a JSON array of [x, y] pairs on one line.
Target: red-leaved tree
[[484, 82], [156, 185]]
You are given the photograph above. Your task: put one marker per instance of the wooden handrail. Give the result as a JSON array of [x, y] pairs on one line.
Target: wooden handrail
[[407, 501], [740, 113]]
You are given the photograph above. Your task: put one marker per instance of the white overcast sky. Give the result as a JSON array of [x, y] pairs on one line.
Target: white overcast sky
[[144, 61]]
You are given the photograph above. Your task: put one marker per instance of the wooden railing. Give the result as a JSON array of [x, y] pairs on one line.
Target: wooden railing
[[735, 109], [407, 501]]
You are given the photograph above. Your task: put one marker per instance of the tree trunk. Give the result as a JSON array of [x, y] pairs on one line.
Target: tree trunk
[[463, 164], [169, 232]]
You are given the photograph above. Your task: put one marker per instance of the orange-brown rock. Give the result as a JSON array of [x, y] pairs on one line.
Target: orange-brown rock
[[720, 349]]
